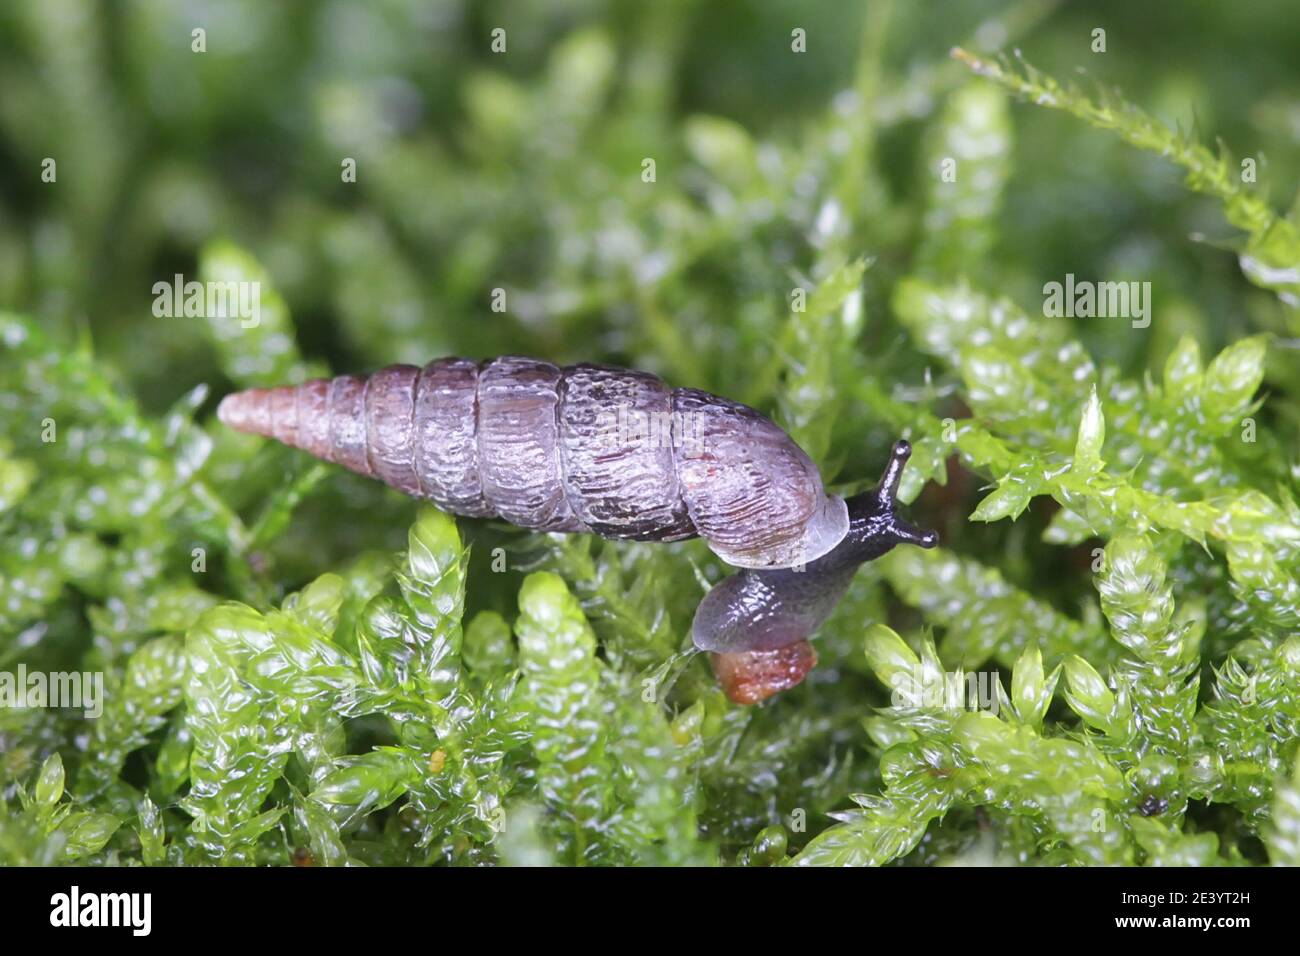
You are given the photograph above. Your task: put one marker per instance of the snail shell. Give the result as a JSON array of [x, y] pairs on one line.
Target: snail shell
[[587, 448]]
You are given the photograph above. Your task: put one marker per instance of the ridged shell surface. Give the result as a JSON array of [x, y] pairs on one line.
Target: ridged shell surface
[[584, 448]]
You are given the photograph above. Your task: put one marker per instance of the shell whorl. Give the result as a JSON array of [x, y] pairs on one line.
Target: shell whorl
[[584, 448]]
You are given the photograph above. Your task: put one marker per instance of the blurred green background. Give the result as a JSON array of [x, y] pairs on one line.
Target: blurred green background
[[522, 170]]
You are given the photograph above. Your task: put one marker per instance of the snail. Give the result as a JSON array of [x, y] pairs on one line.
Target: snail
[[614, 452]]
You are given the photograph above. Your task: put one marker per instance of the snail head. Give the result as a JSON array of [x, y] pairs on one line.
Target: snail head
[[875, 526]]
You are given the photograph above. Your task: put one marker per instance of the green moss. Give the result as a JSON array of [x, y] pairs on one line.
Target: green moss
[[1100, 664]]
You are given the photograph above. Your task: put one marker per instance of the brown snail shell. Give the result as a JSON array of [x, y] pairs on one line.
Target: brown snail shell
[[587, 448]]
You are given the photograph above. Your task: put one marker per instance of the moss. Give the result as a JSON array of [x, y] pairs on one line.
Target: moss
[[1099, 665]]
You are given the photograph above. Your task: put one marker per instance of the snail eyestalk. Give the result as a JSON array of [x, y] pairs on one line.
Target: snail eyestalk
[[887, 489], [874, 523]]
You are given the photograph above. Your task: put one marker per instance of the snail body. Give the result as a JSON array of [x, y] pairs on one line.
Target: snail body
[[757, 624], [587, 448]]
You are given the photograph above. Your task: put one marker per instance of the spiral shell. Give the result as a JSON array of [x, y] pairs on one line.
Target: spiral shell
[[586, 448]]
